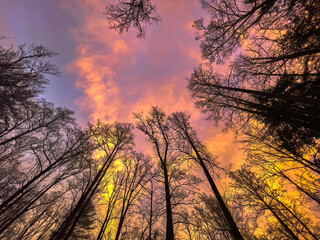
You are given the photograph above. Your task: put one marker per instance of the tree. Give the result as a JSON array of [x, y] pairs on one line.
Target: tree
[[86, 223], [149, 209], [291, 117], [234, 22], [266, 154], [113, 141], [274, 80], [124, 184], [263, 193], [41, 146], [182, 126], [136, 168], [156, 128], [22, 78], [126, 13], [175, 178], [108, 198], [51, 159], [207, 220]]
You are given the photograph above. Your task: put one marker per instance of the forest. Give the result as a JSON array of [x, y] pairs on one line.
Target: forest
[[59, 180]]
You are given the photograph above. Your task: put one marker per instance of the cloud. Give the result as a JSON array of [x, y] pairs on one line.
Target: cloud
[[122, 74], [99, 87]]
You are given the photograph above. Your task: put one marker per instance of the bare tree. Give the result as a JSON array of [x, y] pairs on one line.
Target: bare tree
[[114, 141], [108, 199], [126, 13], [22, 76], [300, 171], [264, 194], [51, 157], [207, 220], [175, 178], [156, 128], [86, 224], [289, 115], [148, 210], [42, 149], [274, 77], [136, 168], [182, 127], [232, 22]]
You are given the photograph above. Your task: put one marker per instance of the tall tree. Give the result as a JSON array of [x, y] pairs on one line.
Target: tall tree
[[177, 181], [265, 153], [156, 128], [136, 168], [182, 126], [274, 69], [23, 76], [149, 209], [51, 160], [292, 117], [114, 141], [86, 224], [41, 146], [233, 22], [108, 199], [207, 221], [265, 194]]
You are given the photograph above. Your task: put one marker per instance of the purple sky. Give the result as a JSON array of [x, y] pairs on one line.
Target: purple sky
[[108, 76]]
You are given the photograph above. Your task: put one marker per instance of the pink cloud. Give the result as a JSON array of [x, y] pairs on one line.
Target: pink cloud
[[122, 74]]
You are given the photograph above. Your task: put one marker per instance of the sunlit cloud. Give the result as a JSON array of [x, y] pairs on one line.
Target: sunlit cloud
[[119, 75]]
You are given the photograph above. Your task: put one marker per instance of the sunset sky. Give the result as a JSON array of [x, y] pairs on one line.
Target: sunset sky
[[108, 76]]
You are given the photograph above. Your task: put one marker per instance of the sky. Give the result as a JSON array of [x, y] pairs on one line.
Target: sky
[[108, 76]]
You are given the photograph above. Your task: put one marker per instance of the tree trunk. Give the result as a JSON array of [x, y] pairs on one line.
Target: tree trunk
[[283, 224], [151, 212], [169, 230], [236, 235]]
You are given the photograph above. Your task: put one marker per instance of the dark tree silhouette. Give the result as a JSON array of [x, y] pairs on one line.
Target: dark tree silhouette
[[264, 152], [41, 147], [233, 22], [135, 170], [109, 198], [207, 221], [86, 224], [126, 13], [114, 141], [263, 194], [151, 208], [179, 183], [182, 126], [274, 77], [22, 77], [156, 128], [148, 210], [290, 116], [51, 159]]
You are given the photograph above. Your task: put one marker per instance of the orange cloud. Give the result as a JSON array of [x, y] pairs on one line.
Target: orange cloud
[[99, 87], [222, 144], [122, 74]]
